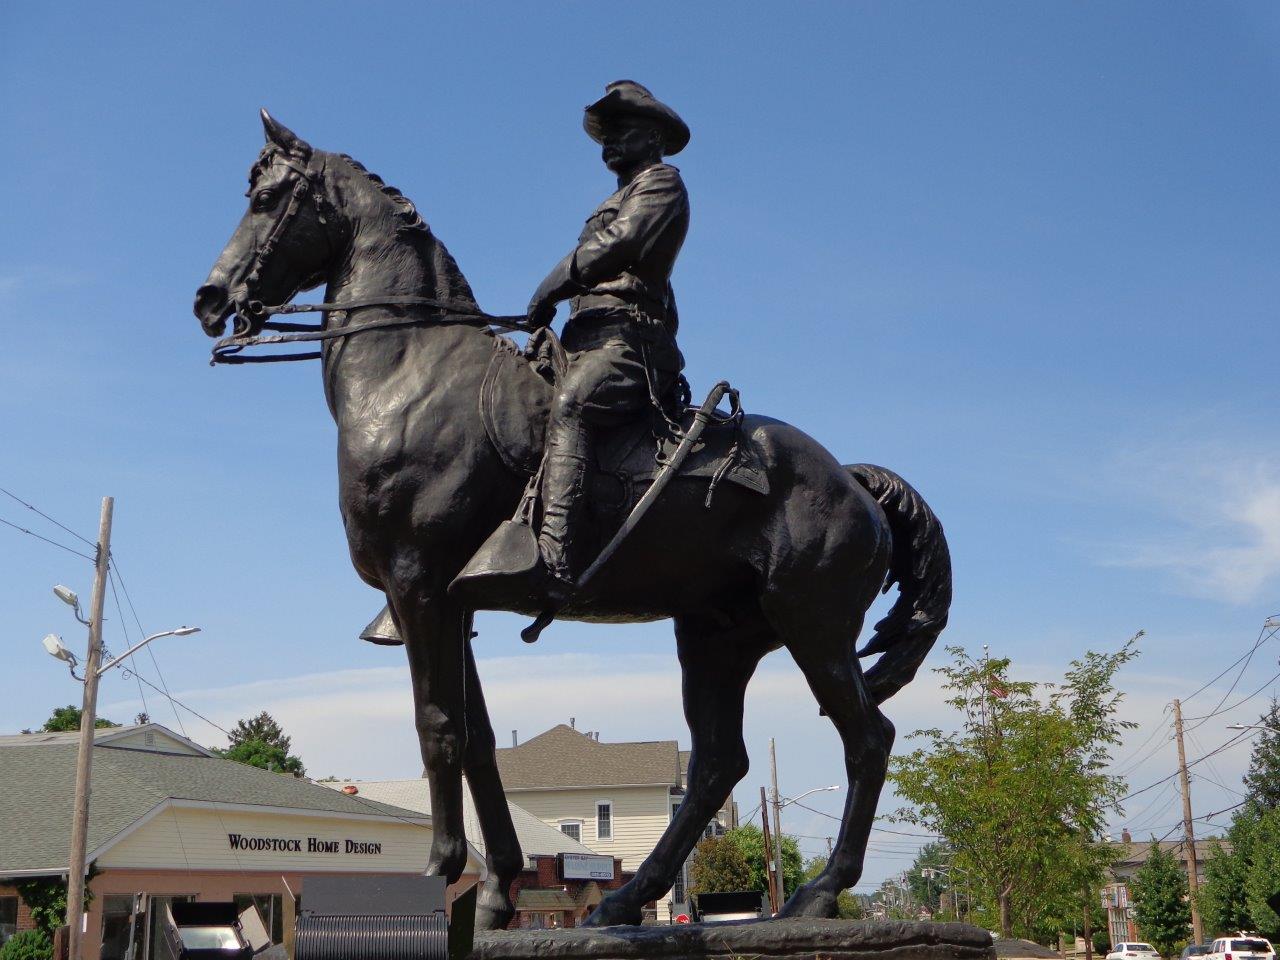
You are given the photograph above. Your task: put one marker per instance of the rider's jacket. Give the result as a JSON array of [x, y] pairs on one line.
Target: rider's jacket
[[629, 245]]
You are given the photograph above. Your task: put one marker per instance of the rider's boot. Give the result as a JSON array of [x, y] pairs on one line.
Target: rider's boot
[[564, 477]]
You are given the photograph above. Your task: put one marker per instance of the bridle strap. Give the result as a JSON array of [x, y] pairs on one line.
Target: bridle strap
[[228, 350]]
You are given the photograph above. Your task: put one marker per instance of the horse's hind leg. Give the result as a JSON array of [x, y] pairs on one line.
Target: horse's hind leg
[[494, 908], [717, 664], [823, 647]]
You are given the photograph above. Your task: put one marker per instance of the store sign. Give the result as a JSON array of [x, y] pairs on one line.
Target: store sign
[[239, 841], [582, 866]]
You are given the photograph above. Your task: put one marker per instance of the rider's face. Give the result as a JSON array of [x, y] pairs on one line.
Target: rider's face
[[627, 142]]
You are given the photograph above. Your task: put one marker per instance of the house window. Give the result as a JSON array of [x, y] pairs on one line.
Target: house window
[[8, 917], [572, 829], [604, 820]]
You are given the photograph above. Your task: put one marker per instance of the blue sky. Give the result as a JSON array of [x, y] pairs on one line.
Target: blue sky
[[1024, 254]]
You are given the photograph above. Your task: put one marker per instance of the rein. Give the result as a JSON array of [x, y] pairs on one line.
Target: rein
[[228, 350]]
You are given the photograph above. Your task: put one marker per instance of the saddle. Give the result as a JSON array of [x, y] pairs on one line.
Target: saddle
[[515, 397], [514, 400]]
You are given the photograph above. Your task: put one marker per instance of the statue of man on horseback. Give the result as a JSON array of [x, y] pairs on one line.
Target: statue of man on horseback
[[620, 336], [440, 427]]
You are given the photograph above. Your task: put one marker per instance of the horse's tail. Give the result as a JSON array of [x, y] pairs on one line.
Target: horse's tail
[[921, 566]]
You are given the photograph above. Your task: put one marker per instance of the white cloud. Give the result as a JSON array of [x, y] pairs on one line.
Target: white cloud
[[1220, 509]]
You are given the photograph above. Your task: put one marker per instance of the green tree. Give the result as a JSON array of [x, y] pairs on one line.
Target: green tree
[[28, 945], [1262, 781], [923, 880], [1224, 905], [1160, 906], [719, 867], [1263, 876], [850, 907], [260, 742], [749, 840], [68, 718], [1021, 791]]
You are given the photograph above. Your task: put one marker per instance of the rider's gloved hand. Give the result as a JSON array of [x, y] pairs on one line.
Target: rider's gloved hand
[[540, 311]]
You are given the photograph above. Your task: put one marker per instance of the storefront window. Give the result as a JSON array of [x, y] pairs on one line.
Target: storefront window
[[156, 908], [270, 909], [8, 917]]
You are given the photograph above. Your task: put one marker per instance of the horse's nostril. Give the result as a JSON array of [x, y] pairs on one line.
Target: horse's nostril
[[211, 300]]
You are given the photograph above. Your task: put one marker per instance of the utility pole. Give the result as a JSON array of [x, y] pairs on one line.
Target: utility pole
[[1193, 869], [88, 715], [777, 824], [768, 860]]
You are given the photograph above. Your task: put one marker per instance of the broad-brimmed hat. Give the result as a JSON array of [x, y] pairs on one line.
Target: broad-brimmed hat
[[626, 98]]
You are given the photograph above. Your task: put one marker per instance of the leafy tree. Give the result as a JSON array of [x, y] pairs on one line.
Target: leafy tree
[[1021, 791], [1224, 905], [1263, 877], [749, 839], [925, 884], [1262, 781], [28, 945], [68, 718], [719, 867], [1160, 905], [260, 742], [850, 907]]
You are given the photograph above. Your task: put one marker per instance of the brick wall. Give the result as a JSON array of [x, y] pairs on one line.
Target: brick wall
[[545, 876]]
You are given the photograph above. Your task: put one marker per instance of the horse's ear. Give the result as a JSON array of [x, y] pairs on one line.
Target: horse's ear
[[282, 136]]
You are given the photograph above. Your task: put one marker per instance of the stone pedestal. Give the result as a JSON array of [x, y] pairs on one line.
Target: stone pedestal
[[836, 939]]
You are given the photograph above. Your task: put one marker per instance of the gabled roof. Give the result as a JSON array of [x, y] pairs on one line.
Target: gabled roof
[[39, 789], [134, 736], [563, 757], [535, 836]]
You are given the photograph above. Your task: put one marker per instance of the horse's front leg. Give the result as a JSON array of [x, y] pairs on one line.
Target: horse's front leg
[[434, 629]]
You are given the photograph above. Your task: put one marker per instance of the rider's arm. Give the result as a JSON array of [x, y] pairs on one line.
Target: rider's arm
[[656, 198]]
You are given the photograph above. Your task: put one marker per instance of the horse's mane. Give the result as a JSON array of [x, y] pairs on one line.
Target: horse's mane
[[450, 283]]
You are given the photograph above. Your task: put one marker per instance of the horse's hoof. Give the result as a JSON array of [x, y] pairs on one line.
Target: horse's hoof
[[810, 902], [493, 916], [614, 913]]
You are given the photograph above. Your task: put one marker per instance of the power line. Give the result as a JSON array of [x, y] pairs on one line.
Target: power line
[[61, 526], [174, 700], [1244, 735], [60, 546], [1263, 637], [154, 662]]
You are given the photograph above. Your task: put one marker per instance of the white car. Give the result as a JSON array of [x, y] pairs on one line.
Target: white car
[[1243, 946], [1130, 951]]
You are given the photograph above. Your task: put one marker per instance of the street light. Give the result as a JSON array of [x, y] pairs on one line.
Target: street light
[[176, 632], [1248, 726], [786, 800]]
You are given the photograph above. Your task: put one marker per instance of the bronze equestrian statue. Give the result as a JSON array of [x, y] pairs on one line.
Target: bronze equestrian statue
[[440, 432]]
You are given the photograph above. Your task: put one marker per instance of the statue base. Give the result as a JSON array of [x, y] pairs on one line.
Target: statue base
[[800, 937]]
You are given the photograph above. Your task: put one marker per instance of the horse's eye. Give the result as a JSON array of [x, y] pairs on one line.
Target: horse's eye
[[262, 199]]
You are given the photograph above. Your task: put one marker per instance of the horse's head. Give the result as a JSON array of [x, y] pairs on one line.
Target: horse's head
[[282, 244]]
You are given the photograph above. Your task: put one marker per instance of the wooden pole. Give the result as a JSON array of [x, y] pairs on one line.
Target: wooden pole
[[768, 860], [76, 867], [777, 826], [1193, 868]]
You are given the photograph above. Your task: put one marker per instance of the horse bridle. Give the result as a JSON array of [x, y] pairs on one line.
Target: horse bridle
[[229, 349]]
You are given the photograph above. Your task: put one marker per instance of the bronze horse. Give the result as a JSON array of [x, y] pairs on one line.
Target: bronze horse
[[422, 487]]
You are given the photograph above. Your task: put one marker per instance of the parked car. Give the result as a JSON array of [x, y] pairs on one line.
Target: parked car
[[1130, 951], [1243, 946], [1196, 950]]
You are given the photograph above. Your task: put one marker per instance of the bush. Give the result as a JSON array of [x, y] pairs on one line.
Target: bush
[[28, 945]]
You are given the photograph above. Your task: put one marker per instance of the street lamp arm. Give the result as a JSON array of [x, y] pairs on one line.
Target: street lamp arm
[[177, 632], [787, 800]]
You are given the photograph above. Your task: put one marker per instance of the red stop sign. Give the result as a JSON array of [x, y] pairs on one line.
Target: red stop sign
[[682, 918]]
